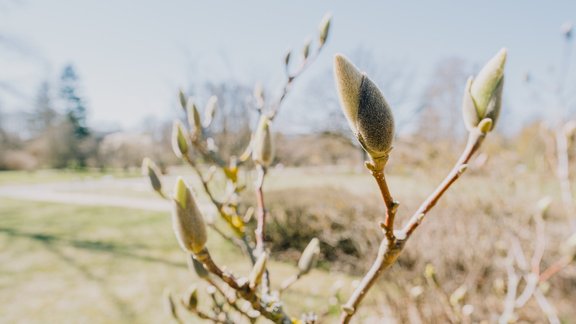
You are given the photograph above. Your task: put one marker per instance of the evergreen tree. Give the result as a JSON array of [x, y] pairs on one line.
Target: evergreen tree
[[74, 106]]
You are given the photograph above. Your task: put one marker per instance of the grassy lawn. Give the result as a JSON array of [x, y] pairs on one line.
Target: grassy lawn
[[62, 263], [50, 175]]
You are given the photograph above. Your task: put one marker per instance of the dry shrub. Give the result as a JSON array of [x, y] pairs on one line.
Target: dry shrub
[[18, 160]]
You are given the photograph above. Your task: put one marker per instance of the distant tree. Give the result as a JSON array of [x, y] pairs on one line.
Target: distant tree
[[74, 105], [44, 115]]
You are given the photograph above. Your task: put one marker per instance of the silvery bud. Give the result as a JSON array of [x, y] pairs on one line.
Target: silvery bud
[[187, 221], [306, 49], [262, 145], [210, 111], [179, 139], [150, 169], [194, 118], [258, 270], [368, 113], [287, 57], [483, 94], [309, 257], [324, 29]]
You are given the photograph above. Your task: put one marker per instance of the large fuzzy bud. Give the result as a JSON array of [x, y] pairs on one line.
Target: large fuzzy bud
[[179, 139], [187, 221], [262, 145], [368, 113], [309, 256], [483, 94]]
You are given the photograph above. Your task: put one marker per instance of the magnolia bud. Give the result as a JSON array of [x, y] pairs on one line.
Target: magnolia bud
[[197, 267], [324, 29], [190, 298], [182, 98], [187, 220], [483, 94], [194, 118], [569, 247], [287, 57], [179, 139], [150, 169], [258, 270], [169, 306], [306, 49], [368, 113], [309, 256], [210, 111], [262, 145]]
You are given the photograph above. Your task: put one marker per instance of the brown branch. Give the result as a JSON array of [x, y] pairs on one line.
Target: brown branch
[[555, 268], [391, 204], [392, 245]]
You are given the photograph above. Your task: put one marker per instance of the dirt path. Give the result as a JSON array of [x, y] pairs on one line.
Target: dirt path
[[129, 193]]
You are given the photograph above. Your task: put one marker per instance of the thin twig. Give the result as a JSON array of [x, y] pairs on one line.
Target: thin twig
[[260, 231]]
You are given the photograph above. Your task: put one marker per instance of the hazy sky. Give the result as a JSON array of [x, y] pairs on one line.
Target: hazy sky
[[133, 55]]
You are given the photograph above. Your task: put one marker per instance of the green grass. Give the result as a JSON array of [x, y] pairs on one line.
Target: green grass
[[64, 263], [49, 175]]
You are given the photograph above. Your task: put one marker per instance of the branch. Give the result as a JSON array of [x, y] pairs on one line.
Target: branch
[[261, 223]]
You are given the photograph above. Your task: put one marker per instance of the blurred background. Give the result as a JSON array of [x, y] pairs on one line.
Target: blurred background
[[90, 88]]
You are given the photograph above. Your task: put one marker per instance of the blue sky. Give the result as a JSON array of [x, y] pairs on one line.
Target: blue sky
[[133, 55]]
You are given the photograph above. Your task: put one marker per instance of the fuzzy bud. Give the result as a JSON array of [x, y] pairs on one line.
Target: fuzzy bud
[[262, 145], [190, 297], [483, 94], [287, 58], [187, 221], [569, 247], [309, 256], [210, 111], [183, 99], [179, 139], [368, 113], [169, 306], [324, 29], [258, 270], [306, 49], [150, 169], [197, 267], [194, 118]]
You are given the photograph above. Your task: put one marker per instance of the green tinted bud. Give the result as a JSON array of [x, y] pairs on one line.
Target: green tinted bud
[[287, 58], [258, 270], [190, 298], [324, 29], [179, 139], [306, 49], [187, 220], [194, 118], [197, 267], [210, 111], [483, 94], [309, 257], [183, 99], [365, 108], [262, 145], [169, 306], [150, 169]]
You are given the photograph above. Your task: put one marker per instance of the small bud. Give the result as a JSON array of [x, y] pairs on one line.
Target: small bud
[[569, 247], [429, 271], [210, 110], [483, 94], [150, 169], [187, 221], [190, 297], [183, 99], [287, 58], [457, 297], [485, 125], [179, 139], [258, 270], [197, 267], [324, 29], [263, 146], [306, 49], [543, 205], [309, 256], [567, 29], [169, 306], [194, 118], [259, 95], [368, 113]]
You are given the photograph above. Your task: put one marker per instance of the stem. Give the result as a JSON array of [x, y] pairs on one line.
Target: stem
[[261, 224], [475, 139], [230, 299], [391, 204], [555, 268], [392, 245], [289, 282]]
